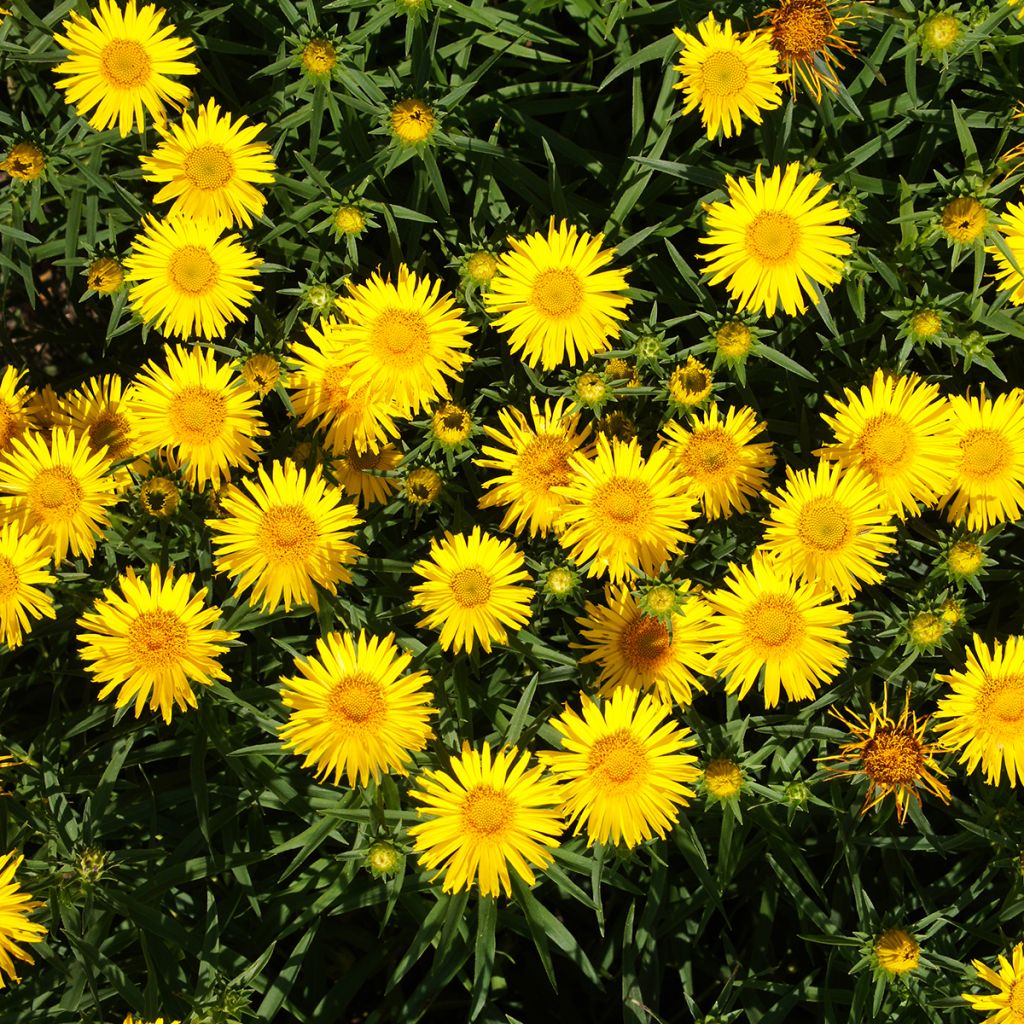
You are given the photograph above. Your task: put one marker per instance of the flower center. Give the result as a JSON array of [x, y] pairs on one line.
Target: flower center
[[56, 493], [125, 63], [1001, 706], [197, 415], [487, 810], [209, 168], [471, 587], [711, 454], [157, 640], [772, 238], [10, 581], [893, 757], [645, 644], [801, 28], [110, 430], [544, 462], [885, 444], [334, 387], [774, 620], [723, 74], [984, 454], [192, 269], [627, 502], [1016, 1002], [618, 761], [557, 293], [364, 460], [355, 700], [400, 337], [824, 524], [287, 533]]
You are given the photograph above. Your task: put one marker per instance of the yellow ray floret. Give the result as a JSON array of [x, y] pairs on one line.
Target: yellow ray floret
[[622, 766], [369, 477], [728, 75], [489, 814], [120, 62], [23, 558], [1012, 229], [15, 927], [1006, 1004], [209, 166], [152, 640], [14, 412], [186, 280], [776, 241], [473, 591], [355, 710], [553, 298]]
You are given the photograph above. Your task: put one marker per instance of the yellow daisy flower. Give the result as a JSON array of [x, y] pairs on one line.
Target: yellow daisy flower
[[766, 622], [897, 431], [623, 771], [533, 458], [988, 477], [1006, 1004], [451, 425], [120, 62], [473, 590], [719, 459], [286, 537], [105, 275], [804, 34], [59, 488], [490, 813], [727, 75], [261, 371], [23, 559], [723, 778], [26, 162], [210, 165], [355, 710], [98, 411], [829, 527], [553, 298], [688, 385], [321, 390], [659, 655], [152, 641], [186, 280], [892, 754], [422, 486], [362, 475], [1012, 230], [15, 927], [403, 339], [897, 952], [985, 710], [14, 415], [159, 497], [198, 412], [623, 512], [412, 121], [963, 221], [776, 240]]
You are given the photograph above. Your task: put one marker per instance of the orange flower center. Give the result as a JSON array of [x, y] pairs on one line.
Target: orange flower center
[[984, 454], [557, 293], [824, 524], [10, 581], [157, 640], [774, 621], [885, 444], [723, 74], [192, 269], [619, 761], [209, 168], [356, 700], [125, 63], [802, 28], [56, 493], [893, 757], [400, 337], [645, 644], [487, 810], [471, 587], [197, 415], [627, 502], [772, 238], [287, 533]]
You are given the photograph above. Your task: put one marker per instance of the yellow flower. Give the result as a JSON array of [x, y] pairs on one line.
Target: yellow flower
[[897, 951], [986, 710], [105, 275], [645, 652], [473, 590], [988, 477], [209, 166], [952, 611], [767, 624], [897, 431], [99, 412], [15, 927], [25, 161], [187, 280], [152, 641], [422, 486], [689, 384], [23, 559], [350, 220], [828, 525], [776, 238], [412, 121], [892, 754], [261, 371], [553, 299], [591, 389], [623, 771], [199, 412], [319, 57], [804, 33], [287, 534], [481, 267], [1012, 230], [965, 559], [533, 458], [925, 324], [964, 220], [403, 339], [363, 475], [451, 425], [1007, 1002], [491, 812], [723, 778], [734, 340], [355, 710], [727, 75], [120, 62], [14, 414], [717, 455], [159, 497], [926, 630], [940, 32], [60, 488], [624, 512]]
